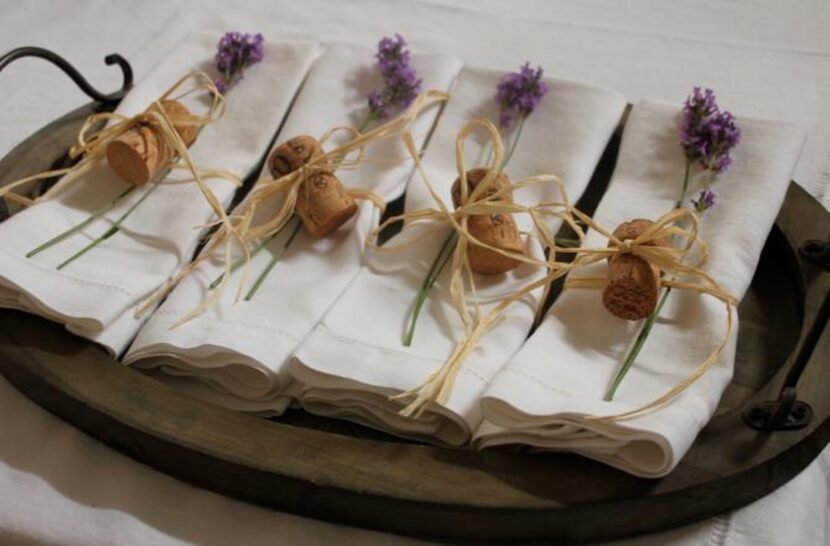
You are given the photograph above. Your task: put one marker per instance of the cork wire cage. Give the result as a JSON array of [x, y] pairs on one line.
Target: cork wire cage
[[771, 422]]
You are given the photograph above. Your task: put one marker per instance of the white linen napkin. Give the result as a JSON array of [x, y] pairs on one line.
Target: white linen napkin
[[541, 398], [239, 349], [96, 296], [355, 358]]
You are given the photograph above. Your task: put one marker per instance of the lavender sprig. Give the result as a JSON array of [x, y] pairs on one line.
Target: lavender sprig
[[234, 53], [401, 82], [707, 136], [519, 93], [401, 86]]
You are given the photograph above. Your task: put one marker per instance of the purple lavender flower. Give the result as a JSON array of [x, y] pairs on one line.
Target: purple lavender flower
[[236, 51], [707, 133], [392, 54], [401, 82], [377, 105], [704, 201], [519, 93]]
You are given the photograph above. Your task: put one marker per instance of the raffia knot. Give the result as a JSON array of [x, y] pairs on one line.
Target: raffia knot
[[625, 247]]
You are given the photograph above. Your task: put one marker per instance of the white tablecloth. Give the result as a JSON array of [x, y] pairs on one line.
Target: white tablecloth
[[764, 58]]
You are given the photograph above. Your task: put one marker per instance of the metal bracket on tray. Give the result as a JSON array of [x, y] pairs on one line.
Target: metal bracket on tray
[[787, 412], [105, 99]]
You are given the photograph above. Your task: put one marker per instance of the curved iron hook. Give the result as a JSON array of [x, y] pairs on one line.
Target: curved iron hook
[[110, 99]]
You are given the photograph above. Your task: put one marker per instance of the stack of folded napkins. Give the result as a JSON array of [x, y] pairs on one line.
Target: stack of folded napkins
[[236, 352], [545, 396], [96, 296], [354, 359], [326, 326]]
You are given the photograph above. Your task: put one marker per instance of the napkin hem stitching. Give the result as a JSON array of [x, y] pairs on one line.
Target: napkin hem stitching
[[203, 323], [63, 276], [337, 338]]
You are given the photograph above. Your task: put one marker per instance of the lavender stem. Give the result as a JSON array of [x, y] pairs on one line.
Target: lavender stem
[[242, 259], [634, 352], [114, 228], [78, 227], [435, 269], [514, 143], [277, 255]]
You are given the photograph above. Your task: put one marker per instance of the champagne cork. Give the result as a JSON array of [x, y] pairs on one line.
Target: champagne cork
[[323, 204], [632, 284], [322, 200], [139, 154], [498, 230], [293, 154], [474, 177], [178, 113]]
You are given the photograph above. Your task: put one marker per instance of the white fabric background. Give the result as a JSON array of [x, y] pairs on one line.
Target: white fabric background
[[765, 58]]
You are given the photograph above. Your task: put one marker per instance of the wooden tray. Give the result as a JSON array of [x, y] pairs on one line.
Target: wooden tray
[[344, 473]]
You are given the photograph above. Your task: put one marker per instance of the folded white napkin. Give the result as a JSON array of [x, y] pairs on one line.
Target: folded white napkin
[[96, 295], [542, 396], [239, 349], [355, 358]]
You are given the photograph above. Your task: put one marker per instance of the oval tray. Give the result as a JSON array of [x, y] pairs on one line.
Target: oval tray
[[341, 472]]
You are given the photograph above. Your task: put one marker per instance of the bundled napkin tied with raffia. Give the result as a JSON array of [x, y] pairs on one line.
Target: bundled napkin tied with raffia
[[364, 351], [635, 393], [121, 220]]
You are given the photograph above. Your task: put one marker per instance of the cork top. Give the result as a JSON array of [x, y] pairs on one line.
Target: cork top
[[293, 154], [474, 176]]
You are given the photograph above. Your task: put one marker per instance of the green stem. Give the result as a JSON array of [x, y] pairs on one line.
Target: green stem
[[489, 155], [679, 202], [434, 271], [277, 255], [115, 228], [514, 143], [78, 227], [242, 259], [366, 122], [635, 349], [634, 352]]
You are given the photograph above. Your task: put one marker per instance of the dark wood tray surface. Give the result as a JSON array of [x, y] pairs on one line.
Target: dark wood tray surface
[[342, 472]]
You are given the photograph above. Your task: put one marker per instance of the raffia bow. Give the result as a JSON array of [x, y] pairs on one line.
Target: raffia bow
[[439, 384], [284, 190]]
